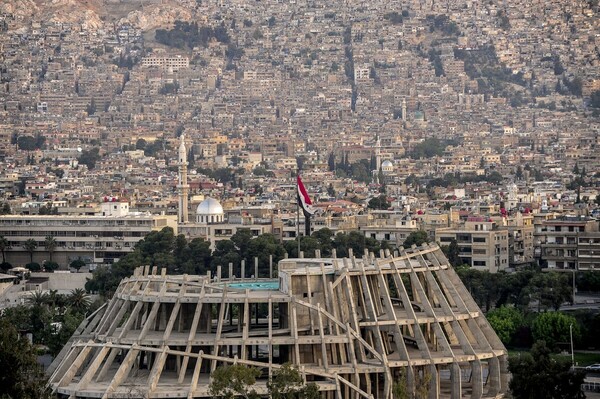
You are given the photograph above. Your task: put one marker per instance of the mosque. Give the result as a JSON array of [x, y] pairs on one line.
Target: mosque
[[209, 221]]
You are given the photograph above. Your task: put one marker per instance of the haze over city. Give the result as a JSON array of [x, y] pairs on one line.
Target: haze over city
[[388, 199]]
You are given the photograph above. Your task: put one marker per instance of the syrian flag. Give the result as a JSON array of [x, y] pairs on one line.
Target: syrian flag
[[304, 200]]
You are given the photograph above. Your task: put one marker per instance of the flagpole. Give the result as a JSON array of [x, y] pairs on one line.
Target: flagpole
[[298, 223]]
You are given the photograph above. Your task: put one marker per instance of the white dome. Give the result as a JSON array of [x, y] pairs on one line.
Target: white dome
[[209, 206], [387, 164]]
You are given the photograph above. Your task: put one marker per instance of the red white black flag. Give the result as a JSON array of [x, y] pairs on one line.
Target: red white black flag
[[304, 200]]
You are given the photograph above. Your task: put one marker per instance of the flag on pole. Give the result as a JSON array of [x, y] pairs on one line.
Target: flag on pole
[[304, 200]]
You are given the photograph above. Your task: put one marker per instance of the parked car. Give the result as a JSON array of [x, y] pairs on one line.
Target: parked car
[[593, 367]]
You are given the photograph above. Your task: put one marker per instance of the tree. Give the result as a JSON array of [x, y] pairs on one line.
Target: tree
[[331, 161], [89, 157], [50, 245], [27, 143], [550, 289], [505, 320], [554, 328], [234, 380], [22, 376], [37, 298], [417, 238], [79, 300], [4, 244], [30, 245], [287, 383], [519, 173], [91, 108], [380, 202], [452, 251], [77, 264], [140, 144], [595, 99], [195, 257], [323, 236], [5, 209], [538, 376], [51, 266]]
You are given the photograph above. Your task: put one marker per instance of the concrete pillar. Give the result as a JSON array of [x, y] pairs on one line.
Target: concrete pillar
[[270, 266], [255, 267], [476, 379], [455, 380], [243, 271], [230, 271], [493, 376], [219, 273]]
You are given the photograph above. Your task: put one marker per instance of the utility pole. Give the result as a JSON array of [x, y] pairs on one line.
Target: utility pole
[[572, 353]]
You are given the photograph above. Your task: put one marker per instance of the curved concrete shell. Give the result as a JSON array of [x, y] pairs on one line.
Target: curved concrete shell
[[355, 326]]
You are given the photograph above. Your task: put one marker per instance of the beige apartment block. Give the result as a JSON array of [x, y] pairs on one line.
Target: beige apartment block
[[569, 243], [482, 244]]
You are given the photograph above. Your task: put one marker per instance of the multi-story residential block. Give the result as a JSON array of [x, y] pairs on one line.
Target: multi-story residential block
[[563, 239], [173, 63], [98, 240], [520, 239], [394, 228], [482, 244]]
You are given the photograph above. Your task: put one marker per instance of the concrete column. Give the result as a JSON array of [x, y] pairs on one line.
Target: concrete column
[[493, 377], [476, 379], [455, 380], [243, 271]]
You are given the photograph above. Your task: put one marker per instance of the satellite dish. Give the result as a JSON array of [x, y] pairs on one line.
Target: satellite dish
[[79, 149]]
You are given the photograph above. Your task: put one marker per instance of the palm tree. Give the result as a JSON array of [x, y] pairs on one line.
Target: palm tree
[[38, 299], [79, 300], [30, 245], [3, 245], [50, 244], [56, 300]]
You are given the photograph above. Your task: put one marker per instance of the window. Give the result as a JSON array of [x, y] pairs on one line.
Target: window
[[479, 239], [479, 263]]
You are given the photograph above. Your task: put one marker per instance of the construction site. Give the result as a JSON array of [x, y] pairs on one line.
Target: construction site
[[356, 326]]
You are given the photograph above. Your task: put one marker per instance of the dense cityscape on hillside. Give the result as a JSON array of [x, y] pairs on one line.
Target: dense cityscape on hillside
[[171, 133]]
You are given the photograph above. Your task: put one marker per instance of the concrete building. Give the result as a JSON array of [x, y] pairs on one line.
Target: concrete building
[[482, 244], [563, 239], [98, 240], [353, 326]]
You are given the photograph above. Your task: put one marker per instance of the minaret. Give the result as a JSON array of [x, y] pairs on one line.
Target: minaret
[[404, 110], [378, 154], [377, 160], [183, 187]]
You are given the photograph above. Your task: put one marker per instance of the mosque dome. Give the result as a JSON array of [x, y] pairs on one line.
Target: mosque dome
[[387, 166], [209, 211]]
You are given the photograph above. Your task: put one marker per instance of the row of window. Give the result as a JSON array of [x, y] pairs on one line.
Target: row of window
[[81, 234]]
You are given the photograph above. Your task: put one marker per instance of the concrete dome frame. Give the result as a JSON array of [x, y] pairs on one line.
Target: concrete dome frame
[[352, 325]]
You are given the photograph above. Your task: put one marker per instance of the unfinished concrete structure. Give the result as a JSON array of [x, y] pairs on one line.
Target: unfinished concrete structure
[[355, 326]]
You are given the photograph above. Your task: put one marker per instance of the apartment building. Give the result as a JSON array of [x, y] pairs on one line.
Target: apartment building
[[482, 243], [98, 240], [561, 241], [174, 63], [394, 228], [520, 239]]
